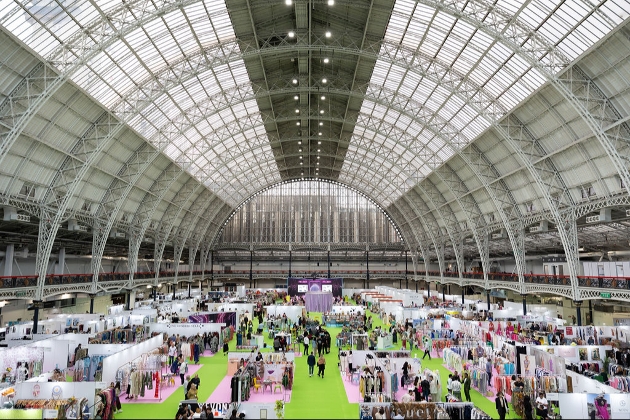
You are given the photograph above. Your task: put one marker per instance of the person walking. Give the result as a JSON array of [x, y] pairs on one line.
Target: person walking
[[183, 368], [428, 344], [186, 382], [489, 371], [310, 360], [172, 352], [321, 364], [467, 386], [306, 342], [502, 405]]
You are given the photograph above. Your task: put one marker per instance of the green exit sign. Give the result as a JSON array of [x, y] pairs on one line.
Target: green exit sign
[[604, 295], [20, 294]]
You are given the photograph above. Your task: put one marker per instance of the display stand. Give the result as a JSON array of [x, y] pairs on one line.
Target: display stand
[[359, 341]]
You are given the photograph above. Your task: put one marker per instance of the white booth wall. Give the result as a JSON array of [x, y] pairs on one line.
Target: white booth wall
[[187, 329], [117, 360], [336, 309], [28, 390], [292, 312], [576, 405]]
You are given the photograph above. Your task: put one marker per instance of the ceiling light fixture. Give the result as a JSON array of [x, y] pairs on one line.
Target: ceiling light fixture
[[324, 80], [326, 60], [319, 150], [319, 134], [321, 112], [300, 142], [321, 123], [295, 81], [291, 34], [319, 142], [296, 97], [328, 34], [297, 123], [323, 98], [331, 2], [288, 2]]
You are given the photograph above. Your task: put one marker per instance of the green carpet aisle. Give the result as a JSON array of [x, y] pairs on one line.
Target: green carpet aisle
[[317, 398], [313, 397]]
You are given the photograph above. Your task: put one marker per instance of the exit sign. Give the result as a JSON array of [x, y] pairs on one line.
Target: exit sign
[[604, 295]]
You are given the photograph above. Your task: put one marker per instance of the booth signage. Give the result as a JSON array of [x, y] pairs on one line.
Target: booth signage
[[188, 325], [556, 259], [605, 295]]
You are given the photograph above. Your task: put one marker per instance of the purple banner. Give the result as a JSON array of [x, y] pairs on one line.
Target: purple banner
[[228, 318], [300, 286]]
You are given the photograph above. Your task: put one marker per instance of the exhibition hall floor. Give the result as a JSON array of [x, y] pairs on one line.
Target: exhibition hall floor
[[312, 397]]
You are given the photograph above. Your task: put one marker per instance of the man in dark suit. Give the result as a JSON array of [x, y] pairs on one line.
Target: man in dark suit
[[502, 405]]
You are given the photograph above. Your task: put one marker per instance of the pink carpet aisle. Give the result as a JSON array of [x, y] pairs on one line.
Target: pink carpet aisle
[[167, 391], [352, 390], [223, 394], [354, 396]]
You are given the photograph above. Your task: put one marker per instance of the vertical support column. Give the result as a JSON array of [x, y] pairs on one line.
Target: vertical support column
[[367, 266], [251, 265], [36, 306], [590, 312], [192, 256], [444, 293], [290, 259], [211, 268], [178, 251], [128, 301], [428, 289], [463, 293], [92, 304], [416, 286], [8, 260], [61, 262], [328, 259], [188, 290], [578, 309], [488, 299], [406, 268], [518, 233], [524, 304], [174, 289]]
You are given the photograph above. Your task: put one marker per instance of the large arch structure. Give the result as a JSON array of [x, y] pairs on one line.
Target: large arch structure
[[502, 130]]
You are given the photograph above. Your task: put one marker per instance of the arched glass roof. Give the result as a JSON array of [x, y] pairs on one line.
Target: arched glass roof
[[198, 79]]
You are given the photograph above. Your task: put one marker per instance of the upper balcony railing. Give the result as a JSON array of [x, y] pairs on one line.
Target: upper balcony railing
[[9, 282], [602, 282]]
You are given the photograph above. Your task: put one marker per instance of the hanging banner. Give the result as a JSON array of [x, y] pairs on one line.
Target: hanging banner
[[528, 365]]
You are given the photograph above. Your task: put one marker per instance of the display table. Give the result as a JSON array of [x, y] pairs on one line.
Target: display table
[[267, 383], [383, 343], [258, 341]]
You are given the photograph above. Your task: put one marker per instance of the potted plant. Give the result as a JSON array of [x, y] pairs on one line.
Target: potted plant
[[279, 409]]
